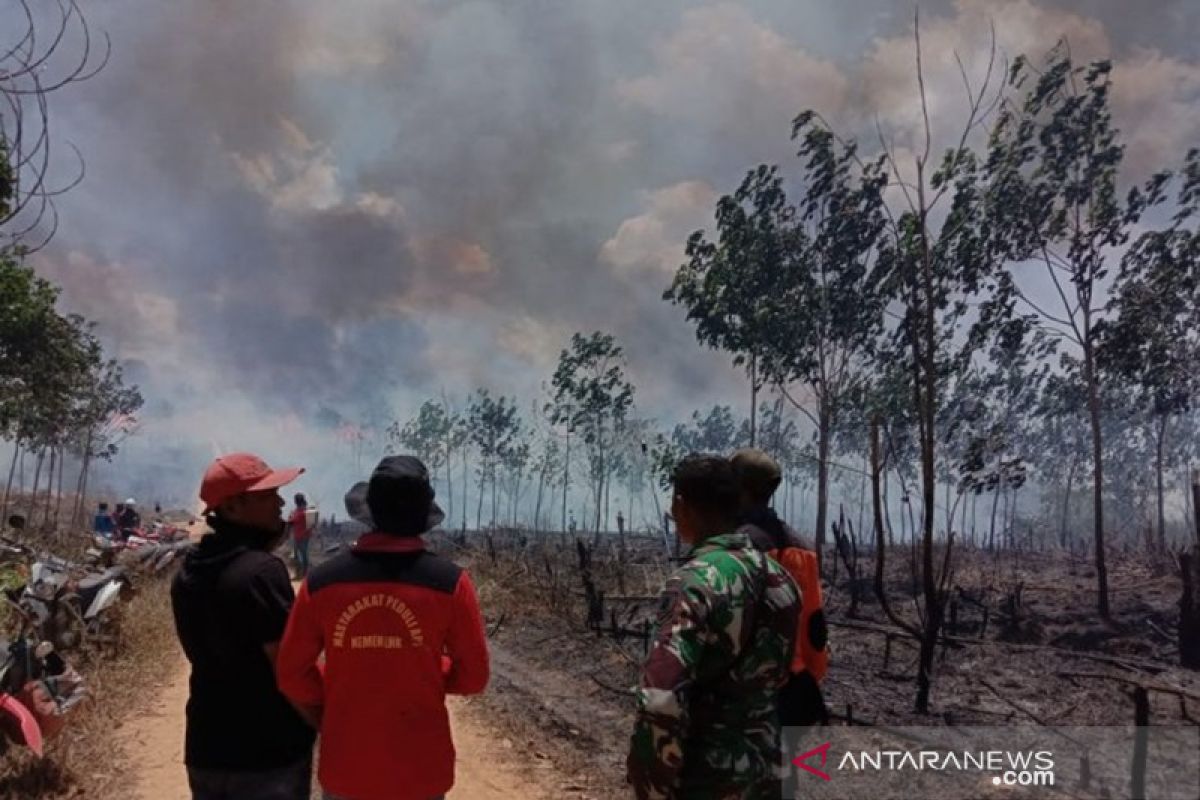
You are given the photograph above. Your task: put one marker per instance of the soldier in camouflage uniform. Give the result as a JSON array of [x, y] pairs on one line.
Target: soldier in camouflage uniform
[[707, 716]]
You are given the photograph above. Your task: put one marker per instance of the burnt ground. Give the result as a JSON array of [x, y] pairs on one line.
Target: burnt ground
[[1027, 648]]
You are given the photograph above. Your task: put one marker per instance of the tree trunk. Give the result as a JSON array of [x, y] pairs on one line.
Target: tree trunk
[[607, 499], [449, 484], [62, 461], [862, 493], [495, 517], [537, 509], [479, 508], [78, 506], [974, 515], [1189, 505], [887, 512], [466, 484], [8, 487], [1196, 507], [37, 479], [992, 527], [824, 420], [566, 481], [83, 480], [925, 357], [600, 469], [1093, 390], [962, 520], [49, 486], [1064, 535], [754, 405], [1158, 474]]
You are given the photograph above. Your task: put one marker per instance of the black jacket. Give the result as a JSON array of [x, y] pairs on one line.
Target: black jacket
[[230, 598]]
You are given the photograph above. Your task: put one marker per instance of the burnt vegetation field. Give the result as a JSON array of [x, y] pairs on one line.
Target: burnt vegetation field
[[1022, 644]]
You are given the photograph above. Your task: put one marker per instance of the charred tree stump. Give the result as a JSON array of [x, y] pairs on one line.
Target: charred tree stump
[[1141, 718], [1189, 610], [1019, 625], [593, 597], [847, 547]]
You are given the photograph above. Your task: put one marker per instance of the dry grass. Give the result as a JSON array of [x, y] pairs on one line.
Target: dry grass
[[83, 761]]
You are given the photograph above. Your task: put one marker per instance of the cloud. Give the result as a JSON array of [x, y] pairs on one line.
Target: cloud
[[888, 77], [1154, 95], [1155, 99], [298, 175], [139, 323], [352, 206], [728, 72], [654, 240]]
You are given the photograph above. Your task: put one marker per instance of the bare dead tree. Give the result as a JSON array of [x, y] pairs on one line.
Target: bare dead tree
[[51, 46]]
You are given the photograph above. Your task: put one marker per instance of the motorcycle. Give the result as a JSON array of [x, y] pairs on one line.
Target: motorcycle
[[37, 690], [68, 611]]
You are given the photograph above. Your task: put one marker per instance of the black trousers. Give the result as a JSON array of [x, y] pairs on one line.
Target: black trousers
[[293, 782]]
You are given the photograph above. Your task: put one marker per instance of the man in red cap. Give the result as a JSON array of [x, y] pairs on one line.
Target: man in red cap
[[231, 600], [400, 629]]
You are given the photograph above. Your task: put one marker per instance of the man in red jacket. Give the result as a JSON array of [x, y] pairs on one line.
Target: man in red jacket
[[400, 629]]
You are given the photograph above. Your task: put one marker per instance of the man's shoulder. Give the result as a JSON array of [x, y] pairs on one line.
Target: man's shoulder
[[421, 569], [251, 565], [720, 571]]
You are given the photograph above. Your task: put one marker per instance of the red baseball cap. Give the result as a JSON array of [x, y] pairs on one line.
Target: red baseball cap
[[238, 473]]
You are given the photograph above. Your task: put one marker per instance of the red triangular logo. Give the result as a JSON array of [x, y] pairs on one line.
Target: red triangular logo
[[823, 752]]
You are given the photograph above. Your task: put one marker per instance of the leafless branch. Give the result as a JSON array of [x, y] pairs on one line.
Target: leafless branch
[[25, 141]]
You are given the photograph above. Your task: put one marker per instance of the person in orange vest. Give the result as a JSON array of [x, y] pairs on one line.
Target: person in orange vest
[[758, 475]]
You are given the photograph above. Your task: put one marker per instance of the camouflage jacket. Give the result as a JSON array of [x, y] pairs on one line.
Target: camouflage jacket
[[707, 717]]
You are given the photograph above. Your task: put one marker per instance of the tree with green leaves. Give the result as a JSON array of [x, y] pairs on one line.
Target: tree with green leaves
[[716, 431], [827, 349], [987, 420], [105, 415], [593, 398], [547, 464], [495, 426], [424, 435], [1151, 342], [433, 435], [515, 461], [729, 287], [931, 263], [1053, 170]]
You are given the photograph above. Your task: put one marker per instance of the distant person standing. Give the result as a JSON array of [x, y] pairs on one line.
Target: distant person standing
[[128, 519], [102, 524], [301, 534]]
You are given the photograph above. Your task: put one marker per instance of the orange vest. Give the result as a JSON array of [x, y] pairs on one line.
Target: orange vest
[[812, 634]]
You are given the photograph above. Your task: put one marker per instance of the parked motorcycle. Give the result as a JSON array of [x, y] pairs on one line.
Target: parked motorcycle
[[70, 606], [37, 690]]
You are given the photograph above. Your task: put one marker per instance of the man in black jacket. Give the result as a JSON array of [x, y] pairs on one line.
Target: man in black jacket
[[231, 601]]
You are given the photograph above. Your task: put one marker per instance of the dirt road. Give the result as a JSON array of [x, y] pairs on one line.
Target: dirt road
[[488, 768]]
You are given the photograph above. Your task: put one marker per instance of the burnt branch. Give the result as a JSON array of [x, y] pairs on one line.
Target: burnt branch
[[53, 47]]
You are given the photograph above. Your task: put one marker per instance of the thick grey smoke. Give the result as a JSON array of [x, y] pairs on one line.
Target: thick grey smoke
[[303, 215]]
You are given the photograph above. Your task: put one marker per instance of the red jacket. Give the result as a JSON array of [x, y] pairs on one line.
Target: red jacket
[[400, 629]]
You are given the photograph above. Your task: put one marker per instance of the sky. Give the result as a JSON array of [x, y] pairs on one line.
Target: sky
[[296, 212]]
